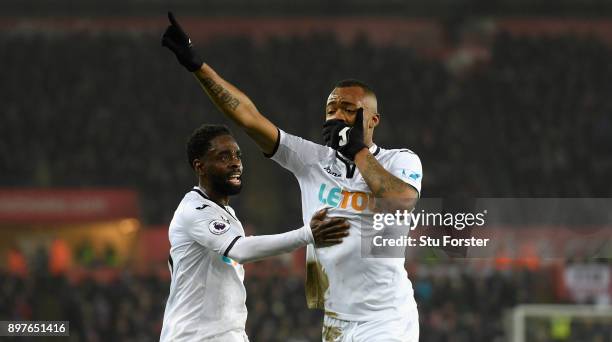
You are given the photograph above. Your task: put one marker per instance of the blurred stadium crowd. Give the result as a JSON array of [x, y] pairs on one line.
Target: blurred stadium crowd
[[533, 121], [455, 304]]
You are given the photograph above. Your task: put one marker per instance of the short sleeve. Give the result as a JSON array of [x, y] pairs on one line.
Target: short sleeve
[[294, 153], [407, 166], [211, 229]]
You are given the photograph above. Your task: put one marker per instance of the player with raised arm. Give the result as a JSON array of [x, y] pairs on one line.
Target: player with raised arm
[[365, 299], [208, 246]]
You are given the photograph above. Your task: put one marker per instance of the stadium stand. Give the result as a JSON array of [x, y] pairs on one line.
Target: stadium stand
[[532, 121]]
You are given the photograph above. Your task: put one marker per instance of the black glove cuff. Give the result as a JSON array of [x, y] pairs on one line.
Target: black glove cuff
[[351, 150], [193, 63]]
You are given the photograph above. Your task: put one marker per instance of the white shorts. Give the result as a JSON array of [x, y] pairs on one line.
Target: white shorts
[[388, 330], [230, 336]]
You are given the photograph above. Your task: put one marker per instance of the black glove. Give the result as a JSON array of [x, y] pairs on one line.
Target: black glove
[[175, 39], [346, 139], [330, 129]]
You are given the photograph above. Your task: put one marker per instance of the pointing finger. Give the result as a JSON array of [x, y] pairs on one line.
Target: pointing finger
[[173, 20]]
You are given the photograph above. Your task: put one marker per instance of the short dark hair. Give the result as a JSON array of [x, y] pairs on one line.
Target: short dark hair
[[355, 83], [199, 141]]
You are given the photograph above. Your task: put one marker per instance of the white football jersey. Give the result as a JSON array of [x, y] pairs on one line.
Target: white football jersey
[[207, 294], [350, 286]]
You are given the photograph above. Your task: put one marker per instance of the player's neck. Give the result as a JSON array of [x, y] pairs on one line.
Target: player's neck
[[368, 141], [214, 196]]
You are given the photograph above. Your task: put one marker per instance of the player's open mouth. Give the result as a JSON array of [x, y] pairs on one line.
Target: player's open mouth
[[235, 178]]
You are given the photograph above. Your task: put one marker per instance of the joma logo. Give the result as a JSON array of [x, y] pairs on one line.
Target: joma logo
[[329, 170]]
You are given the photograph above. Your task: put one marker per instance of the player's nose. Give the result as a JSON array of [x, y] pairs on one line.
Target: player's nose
[[339, 115], [235, 163]]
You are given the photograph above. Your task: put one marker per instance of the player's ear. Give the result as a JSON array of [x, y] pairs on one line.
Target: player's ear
[[198, 166], [375, 120]]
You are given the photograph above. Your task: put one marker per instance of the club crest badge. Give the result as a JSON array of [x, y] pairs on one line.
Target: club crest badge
[[218, 227]]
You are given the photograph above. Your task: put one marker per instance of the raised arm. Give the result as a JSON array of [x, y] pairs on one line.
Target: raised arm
[[238, 107], [229, 99]]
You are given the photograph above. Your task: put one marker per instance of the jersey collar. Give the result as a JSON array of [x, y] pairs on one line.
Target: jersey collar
[[374, 149], [202, 193]]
